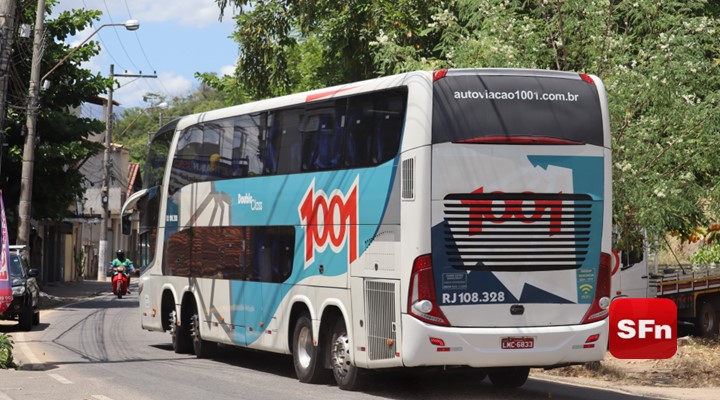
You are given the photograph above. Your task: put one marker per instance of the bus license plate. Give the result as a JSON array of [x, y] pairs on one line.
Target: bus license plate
[[515, 343]]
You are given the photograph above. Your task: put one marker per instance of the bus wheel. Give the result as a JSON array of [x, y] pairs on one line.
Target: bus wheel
[[306, 356], [706, 323], [345, 373], [509, 377], [181, 339], [202, 348]]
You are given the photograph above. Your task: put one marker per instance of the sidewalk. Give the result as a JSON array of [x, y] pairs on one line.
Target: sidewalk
[[58, 293]]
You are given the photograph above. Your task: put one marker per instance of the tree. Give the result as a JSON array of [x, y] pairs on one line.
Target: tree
[[63, 137], [659, 60], [337, 38]]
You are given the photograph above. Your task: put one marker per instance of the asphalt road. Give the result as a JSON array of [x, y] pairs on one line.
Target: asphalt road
[[95, 349]]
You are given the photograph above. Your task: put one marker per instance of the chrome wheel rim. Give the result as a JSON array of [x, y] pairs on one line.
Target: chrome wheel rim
[[304, 347], [341, 355], [195, 326]]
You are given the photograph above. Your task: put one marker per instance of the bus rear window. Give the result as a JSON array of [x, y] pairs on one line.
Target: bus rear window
[[477, 108]]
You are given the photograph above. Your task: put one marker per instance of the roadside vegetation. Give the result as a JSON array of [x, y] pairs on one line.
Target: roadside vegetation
[[694, 365], [660, 62], [6, 355]]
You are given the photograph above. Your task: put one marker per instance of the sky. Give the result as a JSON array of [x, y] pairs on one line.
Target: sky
[[176, 39]]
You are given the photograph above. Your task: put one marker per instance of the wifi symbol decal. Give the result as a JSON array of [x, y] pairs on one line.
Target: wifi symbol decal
[[586, 288]]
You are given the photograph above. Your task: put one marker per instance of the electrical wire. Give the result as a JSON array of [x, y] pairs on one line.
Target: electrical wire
[[142, 50], [118, 37]]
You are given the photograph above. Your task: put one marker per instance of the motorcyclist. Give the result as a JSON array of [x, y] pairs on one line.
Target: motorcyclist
[[121, 260]]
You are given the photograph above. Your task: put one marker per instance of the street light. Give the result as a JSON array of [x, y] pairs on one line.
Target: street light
[[26, 180], [131, 25]]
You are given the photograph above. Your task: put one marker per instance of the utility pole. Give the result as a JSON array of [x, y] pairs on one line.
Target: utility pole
[[33, 109], [7, 30], [103, 258], [105, 191], [26, 180]]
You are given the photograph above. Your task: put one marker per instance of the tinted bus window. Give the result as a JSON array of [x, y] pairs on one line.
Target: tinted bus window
[[247, 146], [468, 106], [249, 253], [350, 132], [154, 173]]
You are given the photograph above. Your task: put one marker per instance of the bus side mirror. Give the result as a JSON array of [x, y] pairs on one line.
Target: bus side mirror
[[126, 224]]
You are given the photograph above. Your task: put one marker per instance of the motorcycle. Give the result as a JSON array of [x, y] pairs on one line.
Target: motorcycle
[[120, 280]]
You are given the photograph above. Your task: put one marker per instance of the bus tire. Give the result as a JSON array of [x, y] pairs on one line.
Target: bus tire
[[346, 374], [512, 377], [181, 339], [202, 348], [706, 322], [306, 356]]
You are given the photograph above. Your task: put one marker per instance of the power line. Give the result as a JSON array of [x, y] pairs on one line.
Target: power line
[[118, 37], [142, 50]]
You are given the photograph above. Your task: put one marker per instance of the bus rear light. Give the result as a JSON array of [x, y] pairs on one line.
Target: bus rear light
[[437, 341], [599, 307], [500, 139], [439, 74], [590, 342], [587, 78], [592, 338], [422, 302]]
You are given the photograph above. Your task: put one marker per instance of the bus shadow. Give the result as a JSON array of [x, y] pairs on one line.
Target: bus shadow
[[271, 363], [434, 383]]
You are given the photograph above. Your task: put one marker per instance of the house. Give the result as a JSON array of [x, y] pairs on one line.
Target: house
[[69, 250]]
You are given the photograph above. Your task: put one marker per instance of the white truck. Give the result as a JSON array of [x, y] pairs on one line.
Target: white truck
[[695, 289]]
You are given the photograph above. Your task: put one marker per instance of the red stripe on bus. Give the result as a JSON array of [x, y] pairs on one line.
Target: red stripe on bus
[[321, 95]]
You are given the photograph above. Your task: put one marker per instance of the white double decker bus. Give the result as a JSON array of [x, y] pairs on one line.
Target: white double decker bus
[[447, 218]]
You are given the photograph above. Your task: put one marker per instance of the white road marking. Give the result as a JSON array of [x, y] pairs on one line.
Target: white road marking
[[4, 396], [100, 397], [21, 346], [60, 379]]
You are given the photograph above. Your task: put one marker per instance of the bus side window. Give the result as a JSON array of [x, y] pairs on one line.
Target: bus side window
[[388, 129], [307, 130], [282, 256], [289, 155], [350, 140], [240, 162], [320, 139], [358, 132], [272, 253], [261, 257], [271, 145], [178, 254]]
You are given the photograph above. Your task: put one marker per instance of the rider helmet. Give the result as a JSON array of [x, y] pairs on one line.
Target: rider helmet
[[120, 255]]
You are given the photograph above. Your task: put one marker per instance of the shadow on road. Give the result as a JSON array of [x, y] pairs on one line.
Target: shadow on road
[[417, 383], [70, 305]]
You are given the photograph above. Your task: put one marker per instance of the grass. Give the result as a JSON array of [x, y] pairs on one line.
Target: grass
[[696, 364]]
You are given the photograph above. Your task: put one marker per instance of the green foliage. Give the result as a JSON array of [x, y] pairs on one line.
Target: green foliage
[[707, 255], [294, 45], [6, 354], [62, 137], [660, 62]]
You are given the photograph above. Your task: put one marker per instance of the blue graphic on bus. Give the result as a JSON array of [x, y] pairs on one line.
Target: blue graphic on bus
[[344, 201]]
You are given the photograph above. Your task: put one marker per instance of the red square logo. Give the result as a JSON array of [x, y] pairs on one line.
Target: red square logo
[[643, 328]]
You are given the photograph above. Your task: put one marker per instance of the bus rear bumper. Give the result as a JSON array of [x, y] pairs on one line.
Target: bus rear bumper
[[482, 347]]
